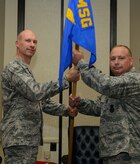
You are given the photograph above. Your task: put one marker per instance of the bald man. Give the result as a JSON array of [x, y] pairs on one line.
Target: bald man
[[23, 101]]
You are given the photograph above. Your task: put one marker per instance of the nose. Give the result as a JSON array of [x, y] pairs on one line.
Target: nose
[[33, 44], [116, 61]]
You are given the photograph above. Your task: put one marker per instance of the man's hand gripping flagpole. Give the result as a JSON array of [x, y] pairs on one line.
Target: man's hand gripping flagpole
[[71, 126]]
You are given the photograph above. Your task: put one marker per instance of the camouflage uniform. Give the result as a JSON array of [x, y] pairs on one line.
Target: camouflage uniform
[[23, 101], [119, 109], [122, 158], [20, 154]]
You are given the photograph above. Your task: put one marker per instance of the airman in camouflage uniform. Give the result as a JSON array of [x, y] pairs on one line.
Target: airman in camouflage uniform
[[23, 102], [118, 106]]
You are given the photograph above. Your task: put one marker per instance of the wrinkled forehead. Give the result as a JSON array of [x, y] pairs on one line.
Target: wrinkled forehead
[[119, 51], [27, 35]]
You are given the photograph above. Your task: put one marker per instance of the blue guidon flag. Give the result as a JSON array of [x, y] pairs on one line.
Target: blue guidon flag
[[79, 28]]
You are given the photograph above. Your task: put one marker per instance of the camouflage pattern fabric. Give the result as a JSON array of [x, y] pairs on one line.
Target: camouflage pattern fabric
[[23, 101], [119, 109], [122, 158], [21, 154]]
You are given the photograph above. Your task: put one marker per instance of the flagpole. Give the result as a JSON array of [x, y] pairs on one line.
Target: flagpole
[[61, 93], [71, 128], [76, 31]]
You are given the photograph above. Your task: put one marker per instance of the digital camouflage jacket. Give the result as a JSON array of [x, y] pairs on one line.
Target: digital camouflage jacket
[[118, 107], [23, 102]]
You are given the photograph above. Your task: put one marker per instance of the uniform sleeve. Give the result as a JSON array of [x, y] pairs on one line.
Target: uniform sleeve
[[53, 108], [115, 86], [21, 80], [90, 107]]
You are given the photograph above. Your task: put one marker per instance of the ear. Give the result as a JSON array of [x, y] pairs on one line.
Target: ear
[[16, 43], [131, 61]]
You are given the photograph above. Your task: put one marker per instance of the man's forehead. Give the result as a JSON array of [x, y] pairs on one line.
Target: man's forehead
[[27, 35], [120, 55], [119, 51]]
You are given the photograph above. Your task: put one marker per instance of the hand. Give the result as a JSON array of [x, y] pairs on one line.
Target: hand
[[74, 101], [77, 55], [73, 75], [72, 111]]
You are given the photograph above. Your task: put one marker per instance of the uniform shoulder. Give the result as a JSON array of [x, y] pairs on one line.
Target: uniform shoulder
[[14, 65]]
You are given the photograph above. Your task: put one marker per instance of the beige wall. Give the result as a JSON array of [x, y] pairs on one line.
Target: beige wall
[[10, 30], [2, 25], [2, 18], [123, 22], [43, 17]]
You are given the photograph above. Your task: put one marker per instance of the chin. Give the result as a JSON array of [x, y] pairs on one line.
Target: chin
[[117, 74]]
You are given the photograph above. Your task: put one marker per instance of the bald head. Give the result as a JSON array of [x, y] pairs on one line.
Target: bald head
[[25, 33]]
